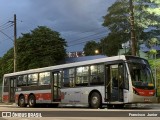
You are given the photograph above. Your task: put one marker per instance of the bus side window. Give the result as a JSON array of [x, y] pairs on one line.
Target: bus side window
[[82, 76], [97, 74], [33, 79], [44, 78], [25, 78], [69, 77], [66, 77], [6, 82], [20, 80]]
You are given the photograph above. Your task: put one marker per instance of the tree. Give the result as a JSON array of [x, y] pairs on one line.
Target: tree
[[152, 53], [152, 42], [108, 48], [91, 47], [117, 20], [155, 64], [6, 63], [147, 18], [40, 48]]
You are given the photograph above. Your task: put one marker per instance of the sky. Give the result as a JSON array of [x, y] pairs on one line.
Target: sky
[[77, 21]]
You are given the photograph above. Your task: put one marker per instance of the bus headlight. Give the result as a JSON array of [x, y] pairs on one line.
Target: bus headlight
[[152, 93]]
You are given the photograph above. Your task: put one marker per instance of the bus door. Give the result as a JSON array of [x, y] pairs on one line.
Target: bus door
[[56, 84], [114, 83], [12, 88]]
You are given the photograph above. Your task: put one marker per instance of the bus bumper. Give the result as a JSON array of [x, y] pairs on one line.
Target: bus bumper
[[143, 99]]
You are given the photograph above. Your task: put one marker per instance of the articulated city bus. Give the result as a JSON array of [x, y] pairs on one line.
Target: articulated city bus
[[112, 81]]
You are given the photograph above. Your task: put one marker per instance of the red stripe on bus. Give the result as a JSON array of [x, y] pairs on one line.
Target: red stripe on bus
[[39, 96], [143, 92], [43, 96], [5, 98]]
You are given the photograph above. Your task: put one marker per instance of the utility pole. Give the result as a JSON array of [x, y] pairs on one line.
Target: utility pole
[[133, 38], [15, 38]]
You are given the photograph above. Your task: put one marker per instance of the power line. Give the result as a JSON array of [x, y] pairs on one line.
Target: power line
[[87, 36], [99, 38], [6, 35], [9, 26], [6, 39], [83, 41], [93, 30], [6, 25], [5, 22]]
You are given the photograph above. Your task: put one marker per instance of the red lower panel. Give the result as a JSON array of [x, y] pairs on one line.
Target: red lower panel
[[43, 96], [5, 98], [39, 96], [143, 92]]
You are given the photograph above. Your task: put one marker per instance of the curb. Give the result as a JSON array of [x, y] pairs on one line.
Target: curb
[[7, 103]]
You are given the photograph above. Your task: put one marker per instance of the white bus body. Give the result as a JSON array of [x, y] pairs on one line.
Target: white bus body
[[73, 84]]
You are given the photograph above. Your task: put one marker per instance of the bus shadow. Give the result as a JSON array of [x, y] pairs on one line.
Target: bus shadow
[[127, 107], [138, 107]]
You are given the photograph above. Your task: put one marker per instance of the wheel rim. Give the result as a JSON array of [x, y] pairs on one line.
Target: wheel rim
[[31, 101], [22, 101], [94, 100]]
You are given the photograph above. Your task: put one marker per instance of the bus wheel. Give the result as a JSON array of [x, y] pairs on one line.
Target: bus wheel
[[21, 101], [32, 101], [95, 100]]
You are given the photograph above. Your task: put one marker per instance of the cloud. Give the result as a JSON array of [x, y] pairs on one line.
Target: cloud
[[69, 17]]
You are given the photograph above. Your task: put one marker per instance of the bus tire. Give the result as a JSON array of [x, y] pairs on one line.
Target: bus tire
[[95, 100], [32, 101], [21, 101]]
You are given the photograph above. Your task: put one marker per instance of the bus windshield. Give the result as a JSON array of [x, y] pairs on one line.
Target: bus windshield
[[141, 74]]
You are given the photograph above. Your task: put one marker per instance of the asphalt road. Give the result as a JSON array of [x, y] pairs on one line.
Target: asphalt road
[[142, 112]]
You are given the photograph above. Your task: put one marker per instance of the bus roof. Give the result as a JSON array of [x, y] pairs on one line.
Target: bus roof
[[68, 65], [83, 58]]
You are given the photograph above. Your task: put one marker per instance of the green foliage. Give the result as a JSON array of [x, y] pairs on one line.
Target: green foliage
[[110, 48], [41, 47], [6, 63], [117, 17], [118, 23], [117, 20], [152, 42], [155, 64], [153, 52], [90, 47], [147, 16]]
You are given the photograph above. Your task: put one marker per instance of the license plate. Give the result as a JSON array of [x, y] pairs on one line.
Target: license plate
[[146, 100]]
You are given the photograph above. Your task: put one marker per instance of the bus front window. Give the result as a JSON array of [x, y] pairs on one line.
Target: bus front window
[[141, 76]]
